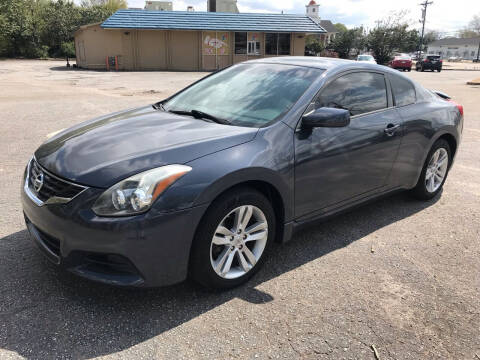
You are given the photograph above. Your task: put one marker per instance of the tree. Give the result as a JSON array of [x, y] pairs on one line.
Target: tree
[[313, 46], [391, 35], [472, 29], [39, 28], [431, 36], [62, 18], [109, 5], [20, 27], [340, 27], [352, 40]]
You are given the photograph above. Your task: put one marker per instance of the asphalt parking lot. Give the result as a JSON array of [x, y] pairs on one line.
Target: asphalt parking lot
[[398, 274]]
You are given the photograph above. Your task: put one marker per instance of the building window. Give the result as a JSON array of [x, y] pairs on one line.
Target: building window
[[253, 48], [241, 43], [277, 44]]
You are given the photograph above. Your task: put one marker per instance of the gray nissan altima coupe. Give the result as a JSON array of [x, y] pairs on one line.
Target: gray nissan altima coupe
[[202, 183]]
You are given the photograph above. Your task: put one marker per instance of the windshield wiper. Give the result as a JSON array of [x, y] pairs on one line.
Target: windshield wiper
[[201, 115], [159, 106]]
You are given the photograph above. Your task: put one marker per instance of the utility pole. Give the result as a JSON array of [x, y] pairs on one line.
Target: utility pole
[[424, 6], [478, 52]]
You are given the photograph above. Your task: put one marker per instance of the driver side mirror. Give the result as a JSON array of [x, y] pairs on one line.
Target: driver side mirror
[[326, 117]]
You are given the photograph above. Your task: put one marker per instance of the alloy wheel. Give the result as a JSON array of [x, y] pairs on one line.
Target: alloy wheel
[[238, 242], [436, 170]]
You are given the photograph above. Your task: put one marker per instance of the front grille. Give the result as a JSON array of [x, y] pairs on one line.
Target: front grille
[[52, 187]]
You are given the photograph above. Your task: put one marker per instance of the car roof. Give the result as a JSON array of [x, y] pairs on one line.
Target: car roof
[[332, 64], [309, 61]]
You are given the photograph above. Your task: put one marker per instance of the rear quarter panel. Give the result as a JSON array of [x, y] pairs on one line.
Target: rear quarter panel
[[424, 123]]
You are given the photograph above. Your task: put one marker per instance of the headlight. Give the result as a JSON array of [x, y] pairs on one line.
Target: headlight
[[136, 194]]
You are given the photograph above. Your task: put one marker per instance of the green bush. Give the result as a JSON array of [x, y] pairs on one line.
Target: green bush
[[67, 49]]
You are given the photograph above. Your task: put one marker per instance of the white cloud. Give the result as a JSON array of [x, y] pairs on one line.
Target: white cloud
[[443, 15]]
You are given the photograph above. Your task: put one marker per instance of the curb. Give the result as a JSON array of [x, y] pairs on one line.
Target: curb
[[444, 69]]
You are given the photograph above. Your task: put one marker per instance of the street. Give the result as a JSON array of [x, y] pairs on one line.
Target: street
[[398, 274]]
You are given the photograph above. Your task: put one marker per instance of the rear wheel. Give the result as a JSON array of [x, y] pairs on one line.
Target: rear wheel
[[434, 172], [233, 239]]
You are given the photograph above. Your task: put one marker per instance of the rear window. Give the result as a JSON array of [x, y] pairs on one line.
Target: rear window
[[403, 58], [365, 57], [403, 91], [433, 57]]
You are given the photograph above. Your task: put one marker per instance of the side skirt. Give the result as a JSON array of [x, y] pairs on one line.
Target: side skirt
[[292, 227]]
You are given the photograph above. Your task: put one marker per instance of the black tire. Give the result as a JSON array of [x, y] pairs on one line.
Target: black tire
[[422, 69], [420, 190], [439, 70], [201, 269], [409, 70]]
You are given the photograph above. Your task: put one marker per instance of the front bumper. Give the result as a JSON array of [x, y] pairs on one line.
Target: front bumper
[[147, 250]]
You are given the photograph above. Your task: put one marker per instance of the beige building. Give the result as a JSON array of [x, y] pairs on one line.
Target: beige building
[[189, 41], [224, 6], [159, 5]]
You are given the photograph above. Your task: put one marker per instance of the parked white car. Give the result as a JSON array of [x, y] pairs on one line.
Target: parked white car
[[366, 58], [455, 59]]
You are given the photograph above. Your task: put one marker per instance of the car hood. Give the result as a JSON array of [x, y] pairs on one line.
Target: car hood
[[103, 151]]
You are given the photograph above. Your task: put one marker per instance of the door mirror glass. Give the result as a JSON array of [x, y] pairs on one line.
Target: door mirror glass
[[326, 117]]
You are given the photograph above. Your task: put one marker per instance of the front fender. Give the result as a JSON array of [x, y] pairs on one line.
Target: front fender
[[269, 158]]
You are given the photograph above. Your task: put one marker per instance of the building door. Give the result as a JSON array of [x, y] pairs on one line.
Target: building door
[[184, 50]]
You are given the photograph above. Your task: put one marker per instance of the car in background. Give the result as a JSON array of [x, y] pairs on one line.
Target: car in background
[[366, 58], [401, 62], [202, 183], [430, 62], [455, 59]]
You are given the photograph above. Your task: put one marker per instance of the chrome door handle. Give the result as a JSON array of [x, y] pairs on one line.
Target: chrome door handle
[[391, 129]]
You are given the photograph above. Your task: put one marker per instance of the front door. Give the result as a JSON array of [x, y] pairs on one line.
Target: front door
[[334, 166]]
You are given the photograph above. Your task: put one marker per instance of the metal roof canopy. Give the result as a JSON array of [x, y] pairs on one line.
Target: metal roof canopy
[[187, 20]]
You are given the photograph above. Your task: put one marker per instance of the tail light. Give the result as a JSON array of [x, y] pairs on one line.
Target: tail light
[[459, 107], [426, 60], [441, 60]]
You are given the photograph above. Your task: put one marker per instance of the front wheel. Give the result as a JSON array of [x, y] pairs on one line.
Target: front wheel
[[434, 172], [233, 239]]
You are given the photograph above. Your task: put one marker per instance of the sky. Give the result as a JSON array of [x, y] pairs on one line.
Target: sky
[[445, 15]]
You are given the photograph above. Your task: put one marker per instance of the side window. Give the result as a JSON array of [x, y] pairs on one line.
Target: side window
[[359, 92], [403, 91]]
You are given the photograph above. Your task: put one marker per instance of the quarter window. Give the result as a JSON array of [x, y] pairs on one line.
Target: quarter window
[[403, 91], [277, 44], [360, 93]]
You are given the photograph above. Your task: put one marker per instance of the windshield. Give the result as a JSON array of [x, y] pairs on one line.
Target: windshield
[[247, 94], [365, 57]]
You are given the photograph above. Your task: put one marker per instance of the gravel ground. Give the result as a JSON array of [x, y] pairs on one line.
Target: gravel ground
[[398, 274]]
